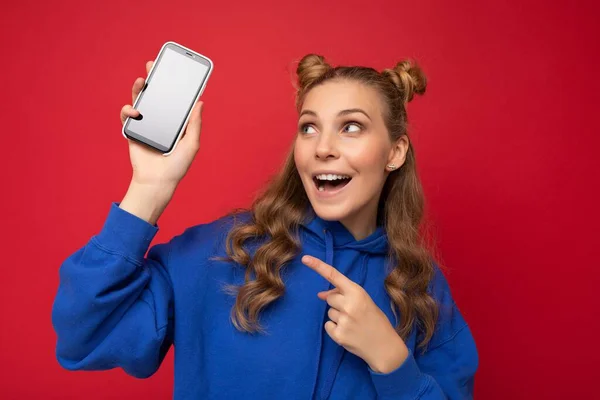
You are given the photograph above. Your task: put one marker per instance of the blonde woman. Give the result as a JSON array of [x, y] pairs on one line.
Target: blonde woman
[[323, 289]]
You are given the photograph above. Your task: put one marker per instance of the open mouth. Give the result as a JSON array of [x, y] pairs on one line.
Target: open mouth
[[330, 183]]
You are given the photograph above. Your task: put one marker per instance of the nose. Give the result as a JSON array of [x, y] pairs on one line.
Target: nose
[[326, 146]]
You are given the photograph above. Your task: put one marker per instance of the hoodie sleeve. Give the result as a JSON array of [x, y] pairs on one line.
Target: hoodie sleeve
[[113, 307], [446, 370]]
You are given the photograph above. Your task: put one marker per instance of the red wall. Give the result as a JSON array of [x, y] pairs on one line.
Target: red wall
[[506, 139]]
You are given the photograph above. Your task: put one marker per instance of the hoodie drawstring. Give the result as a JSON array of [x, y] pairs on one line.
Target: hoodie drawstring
[[328, 247], [339, 351], [329, 257], [333, 234]]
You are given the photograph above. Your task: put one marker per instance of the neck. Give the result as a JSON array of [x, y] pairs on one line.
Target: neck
[[363, 222], [359, 226]]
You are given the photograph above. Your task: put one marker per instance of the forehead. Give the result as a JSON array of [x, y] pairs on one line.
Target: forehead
[[330, 97]]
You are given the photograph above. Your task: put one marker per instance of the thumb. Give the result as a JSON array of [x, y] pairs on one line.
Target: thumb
[[325, 294]]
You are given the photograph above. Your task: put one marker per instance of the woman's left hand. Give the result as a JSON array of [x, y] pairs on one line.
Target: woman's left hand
[[356, 323]]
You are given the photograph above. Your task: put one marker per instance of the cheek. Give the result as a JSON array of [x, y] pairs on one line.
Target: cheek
[[370, 165], [367, 162], [297, 156], [300, 157]]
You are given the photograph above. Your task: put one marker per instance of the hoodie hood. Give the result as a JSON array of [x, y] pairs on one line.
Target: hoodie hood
[[334, 235]]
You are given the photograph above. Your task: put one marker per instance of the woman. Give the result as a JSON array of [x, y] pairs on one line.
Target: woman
[[323, 289]]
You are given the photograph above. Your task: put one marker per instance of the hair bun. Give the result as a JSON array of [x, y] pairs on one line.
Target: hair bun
[[310, 68], [408, 78]]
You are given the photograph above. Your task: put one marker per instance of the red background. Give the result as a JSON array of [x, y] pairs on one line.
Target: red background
[[506, 139]]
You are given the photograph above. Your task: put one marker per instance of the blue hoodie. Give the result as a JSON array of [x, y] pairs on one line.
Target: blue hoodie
[[117, 308]]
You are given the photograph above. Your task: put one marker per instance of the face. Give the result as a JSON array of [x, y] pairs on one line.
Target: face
[[341, 134]]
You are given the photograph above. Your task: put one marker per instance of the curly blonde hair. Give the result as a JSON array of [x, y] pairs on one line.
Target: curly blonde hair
[[278, 211]]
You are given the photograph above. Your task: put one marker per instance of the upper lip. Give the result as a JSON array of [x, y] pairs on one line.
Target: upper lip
[[315, 174]]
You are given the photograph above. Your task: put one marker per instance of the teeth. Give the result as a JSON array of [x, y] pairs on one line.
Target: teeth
[[331, 177]]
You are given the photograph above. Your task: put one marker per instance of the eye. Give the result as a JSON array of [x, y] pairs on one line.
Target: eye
[[305, 128], [356, 125]]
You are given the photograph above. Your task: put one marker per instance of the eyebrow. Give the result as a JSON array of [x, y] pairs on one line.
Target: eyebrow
[[341, 113]]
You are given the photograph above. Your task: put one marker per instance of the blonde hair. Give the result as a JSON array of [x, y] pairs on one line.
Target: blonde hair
[[278, 211]]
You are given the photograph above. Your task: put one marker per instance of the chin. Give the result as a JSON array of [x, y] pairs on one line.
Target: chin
[[330, 212]]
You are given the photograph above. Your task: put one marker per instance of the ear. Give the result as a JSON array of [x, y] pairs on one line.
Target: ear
[[398, 152]]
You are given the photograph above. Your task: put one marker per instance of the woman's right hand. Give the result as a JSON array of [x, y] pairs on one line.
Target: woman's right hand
[[156, 176], [150, 167]]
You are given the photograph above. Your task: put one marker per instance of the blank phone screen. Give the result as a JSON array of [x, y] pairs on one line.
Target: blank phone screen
[[168, 97]]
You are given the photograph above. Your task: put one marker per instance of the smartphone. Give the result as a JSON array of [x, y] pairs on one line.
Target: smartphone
[[173, 86]]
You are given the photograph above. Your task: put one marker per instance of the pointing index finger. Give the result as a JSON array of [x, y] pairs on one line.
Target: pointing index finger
[[335, 277]]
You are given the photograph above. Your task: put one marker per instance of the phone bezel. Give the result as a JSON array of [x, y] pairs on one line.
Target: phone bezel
[[181, 50]]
